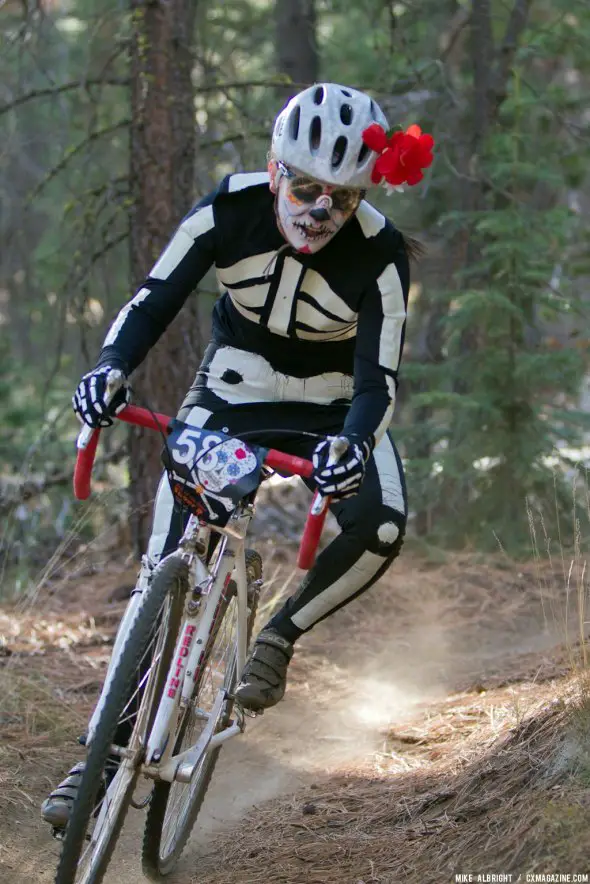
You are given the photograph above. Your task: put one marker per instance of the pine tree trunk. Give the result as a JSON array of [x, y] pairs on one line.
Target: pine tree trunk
[[162, 174], [296, 43]]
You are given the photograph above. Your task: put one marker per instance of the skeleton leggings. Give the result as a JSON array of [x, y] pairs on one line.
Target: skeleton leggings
[[237, 392]]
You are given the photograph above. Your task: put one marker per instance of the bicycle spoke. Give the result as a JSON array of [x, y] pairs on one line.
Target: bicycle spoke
[[154, 658]]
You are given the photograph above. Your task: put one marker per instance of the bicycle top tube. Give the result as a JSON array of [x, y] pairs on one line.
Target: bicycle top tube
[[279, 460]]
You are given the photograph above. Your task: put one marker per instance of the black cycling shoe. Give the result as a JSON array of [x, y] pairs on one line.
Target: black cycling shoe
[[57, 808], [264, 678]]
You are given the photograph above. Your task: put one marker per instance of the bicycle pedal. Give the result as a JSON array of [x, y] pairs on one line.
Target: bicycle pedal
[[249, 713]]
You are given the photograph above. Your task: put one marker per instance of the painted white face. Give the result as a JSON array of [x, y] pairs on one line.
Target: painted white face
[[311, 213]]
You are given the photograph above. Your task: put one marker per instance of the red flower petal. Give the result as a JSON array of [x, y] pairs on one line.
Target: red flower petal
[[375, 137], [391, 167], [388, 161], [395, 139], [415, 131], [414, 177]]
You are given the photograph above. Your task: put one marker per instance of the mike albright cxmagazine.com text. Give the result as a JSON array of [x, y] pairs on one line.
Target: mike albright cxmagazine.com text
[[525, 878]]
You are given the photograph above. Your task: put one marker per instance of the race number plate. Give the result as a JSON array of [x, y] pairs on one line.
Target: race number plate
[[210, 472]]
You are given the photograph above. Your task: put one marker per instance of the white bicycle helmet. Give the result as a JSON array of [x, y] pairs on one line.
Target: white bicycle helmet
[[319, 133]]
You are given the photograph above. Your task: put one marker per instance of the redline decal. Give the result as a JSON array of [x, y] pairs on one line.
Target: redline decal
[[176, 680]]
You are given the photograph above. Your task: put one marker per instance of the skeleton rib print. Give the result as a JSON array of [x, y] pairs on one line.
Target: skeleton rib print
[[302, 305], [342, 309]]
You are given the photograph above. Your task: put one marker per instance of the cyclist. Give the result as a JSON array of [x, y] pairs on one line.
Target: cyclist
[[307, 336]]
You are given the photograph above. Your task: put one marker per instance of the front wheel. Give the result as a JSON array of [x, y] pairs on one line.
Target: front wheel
[[174, 807], [103, 799]]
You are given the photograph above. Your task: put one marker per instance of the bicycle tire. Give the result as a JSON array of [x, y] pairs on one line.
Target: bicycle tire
[[170, 580], [155, 866]]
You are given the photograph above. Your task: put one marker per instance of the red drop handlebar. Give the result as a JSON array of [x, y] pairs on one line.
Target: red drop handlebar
[[278, 460]]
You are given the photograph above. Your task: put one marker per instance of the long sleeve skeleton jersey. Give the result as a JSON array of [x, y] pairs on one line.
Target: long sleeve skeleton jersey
[[342, 309]]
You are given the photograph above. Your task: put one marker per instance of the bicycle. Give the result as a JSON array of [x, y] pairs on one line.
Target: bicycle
[[179, 651]]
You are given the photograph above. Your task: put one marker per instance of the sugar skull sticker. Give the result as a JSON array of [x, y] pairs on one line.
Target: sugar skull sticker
[[212, 470], [224, 465]]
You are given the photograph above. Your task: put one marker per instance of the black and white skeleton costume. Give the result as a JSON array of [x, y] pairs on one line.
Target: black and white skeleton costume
[[307, 342]]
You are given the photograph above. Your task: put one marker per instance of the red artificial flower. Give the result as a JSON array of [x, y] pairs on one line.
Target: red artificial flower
[[375, 137], [402, 155]]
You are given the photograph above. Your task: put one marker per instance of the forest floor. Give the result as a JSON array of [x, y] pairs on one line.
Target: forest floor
[[438, 726]]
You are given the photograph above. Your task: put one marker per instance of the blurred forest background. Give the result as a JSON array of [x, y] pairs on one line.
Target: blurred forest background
[[116, 116]]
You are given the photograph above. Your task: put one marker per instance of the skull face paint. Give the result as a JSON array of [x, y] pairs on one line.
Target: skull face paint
[[310, 213]]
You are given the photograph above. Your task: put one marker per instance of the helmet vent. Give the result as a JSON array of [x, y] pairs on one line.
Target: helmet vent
[[339, 151], [374, 113], [315, 134], [294, 123], [346, 114], [318, 95], [346, 92], [362, 154]]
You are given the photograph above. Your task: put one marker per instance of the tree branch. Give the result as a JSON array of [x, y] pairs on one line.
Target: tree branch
[[97, 255], [514, 29], [449, 37], [58, 90], [482, 54], [18, 489], [73, 152], [238, 136], [398, 88]]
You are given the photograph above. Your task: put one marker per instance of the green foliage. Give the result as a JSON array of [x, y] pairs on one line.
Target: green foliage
[[493, 431], [492, 404]]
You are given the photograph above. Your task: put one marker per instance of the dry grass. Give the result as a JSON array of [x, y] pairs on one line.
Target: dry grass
[[45, 701], [470, 788], [492, 779], [492, 776], [52, 663]]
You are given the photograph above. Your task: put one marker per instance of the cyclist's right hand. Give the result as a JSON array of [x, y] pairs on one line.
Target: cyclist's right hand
[[101, 393]]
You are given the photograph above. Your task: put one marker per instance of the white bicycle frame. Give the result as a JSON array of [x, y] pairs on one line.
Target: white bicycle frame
[[200, 610]]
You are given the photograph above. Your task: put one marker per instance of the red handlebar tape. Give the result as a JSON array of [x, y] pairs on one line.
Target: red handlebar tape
[[278, 460]]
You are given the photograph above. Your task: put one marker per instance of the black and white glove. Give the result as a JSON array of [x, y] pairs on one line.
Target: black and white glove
[[101, 393], [339, 466]]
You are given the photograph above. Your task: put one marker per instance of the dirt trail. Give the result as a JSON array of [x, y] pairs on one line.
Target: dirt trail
[[423, 633]]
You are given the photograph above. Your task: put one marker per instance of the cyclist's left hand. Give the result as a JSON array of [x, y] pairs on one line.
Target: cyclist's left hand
[[342, 479]]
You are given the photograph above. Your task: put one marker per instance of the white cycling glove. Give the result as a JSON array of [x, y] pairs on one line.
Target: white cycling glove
[[342, 479], [94, 402]]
